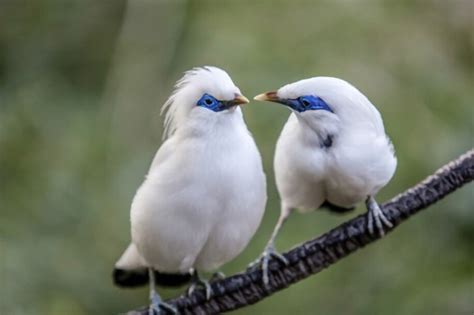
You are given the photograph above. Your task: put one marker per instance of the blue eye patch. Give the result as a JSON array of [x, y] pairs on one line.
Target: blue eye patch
[[210, 102], [307, 102]]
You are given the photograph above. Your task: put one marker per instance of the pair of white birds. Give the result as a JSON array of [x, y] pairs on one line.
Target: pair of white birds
[[205, 193]]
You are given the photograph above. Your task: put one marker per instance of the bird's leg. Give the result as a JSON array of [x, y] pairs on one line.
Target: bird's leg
[[270, 250], [155, 300], [197, 281], [375, 216]]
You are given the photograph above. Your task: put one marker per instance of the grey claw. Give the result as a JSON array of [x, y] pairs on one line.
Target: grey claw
[[191, 289], [376, 216], [153, 310], [203, 283], [170, 308], [156, 305], [279, 257], [265, 270], [219, 275], [208, 291], [384, 219], [263, 262]]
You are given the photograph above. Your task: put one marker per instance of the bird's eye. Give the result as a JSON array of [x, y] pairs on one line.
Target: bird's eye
[[208, 101], [305, 102]]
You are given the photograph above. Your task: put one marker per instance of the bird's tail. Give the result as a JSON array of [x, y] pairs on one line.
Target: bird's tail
[[335, 208], [132, 271], [139, 277]]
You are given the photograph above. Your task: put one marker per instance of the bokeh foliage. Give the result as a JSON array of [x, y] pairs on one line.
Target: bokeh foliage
[[81, 83]]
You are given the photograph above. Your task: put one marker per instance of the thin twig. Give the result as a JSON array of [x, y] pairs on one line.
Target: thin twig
[[311, 257]]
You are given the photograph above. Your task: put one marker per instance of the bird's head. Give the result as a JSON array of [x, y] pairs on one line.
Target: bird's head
[[206, 93], [325, 104]]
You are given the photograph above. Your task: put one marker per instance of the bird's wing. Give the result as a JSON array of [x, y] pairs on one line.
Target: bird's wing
[[131, 270], [163, 153]]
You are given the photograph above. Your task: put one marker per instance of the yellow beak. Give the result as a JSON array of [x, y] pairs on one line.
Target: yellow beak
[[240, 100], [268, 96]]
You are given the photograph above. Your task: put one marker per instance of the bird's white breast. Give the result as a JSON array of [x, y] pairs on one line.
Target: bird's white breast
[[299, 167], [359, 162], [203, 198]]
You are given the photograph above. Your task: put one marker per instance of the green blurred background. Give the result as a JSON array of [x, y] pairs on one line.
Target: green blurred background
[[81, 84]]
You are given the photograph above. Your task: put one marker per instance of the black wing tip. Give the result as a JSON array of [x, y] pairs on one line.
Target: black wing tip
[[139, 277], [334, 208]]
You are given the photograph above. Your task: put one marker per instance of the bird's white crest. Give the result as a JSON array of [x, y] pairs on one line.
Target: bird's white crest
[[190, 88]]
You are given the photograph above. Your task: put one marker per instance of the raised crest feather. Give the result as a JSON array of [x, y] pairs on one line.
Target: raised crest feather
[[178, 104], [169, 109]]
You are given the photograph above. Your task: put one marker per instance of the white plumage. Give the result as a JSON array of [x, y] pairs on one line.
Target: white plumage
[[334, 152], [205, 193], [359, 162]]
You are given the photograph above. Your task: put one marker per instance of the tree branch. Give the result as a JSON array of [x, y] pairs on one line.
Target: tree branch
[[311, 257]]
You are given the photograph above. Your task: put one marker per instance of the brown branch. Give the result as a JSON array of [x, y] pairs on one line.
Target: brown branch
[[311, 257]]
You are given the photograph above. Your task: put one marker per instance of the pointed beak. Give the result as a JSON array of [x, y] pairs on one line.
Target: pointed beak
[[239, 100], [268, 96]]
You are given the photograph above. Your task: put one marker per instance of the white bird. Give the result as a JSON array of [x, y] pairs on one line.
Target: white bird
[[332, 152], [205, 193]]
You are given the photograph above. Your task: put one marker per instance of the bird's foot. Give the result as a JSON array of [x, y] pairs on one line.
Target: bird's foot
[[262, 261], [157, 304], [219, 275], [197, 281], [375, 216]]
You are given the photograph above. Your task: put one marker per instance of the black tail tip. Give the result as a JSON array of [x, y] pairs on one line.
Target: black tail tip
[[130, 278], [172, 279], [139, 277], [336, 209]]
